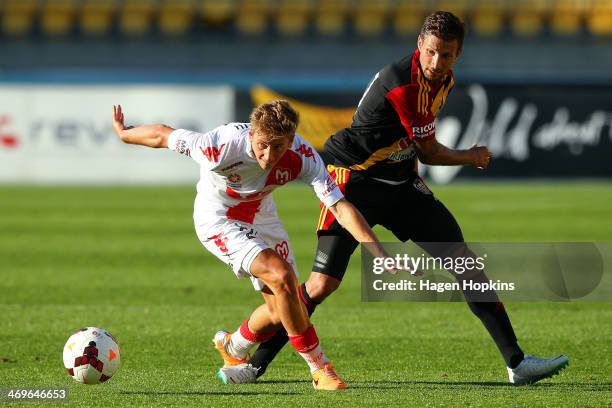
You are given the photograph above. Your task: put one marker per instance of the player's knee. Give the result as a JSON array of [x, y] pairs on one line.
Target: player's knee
[[321, 287], [282, 278]]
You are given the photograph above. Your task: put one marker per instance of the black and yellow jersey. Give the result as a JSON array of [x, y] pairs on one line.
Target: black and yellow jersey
[[398, 106]]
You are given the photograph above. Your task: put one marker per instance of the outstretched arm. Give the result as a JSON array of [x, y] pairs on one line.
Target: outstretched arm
[[148, 135], [351, 219], [430, 151]]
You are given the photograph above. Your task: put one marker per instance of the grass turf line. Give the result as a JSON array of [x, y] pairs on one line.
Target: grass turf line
[[128, 260]]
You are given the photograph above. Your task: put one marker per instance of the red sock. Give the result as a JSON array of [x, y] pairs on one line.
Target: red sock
[[243, 339], [307, 345], [254, 337]]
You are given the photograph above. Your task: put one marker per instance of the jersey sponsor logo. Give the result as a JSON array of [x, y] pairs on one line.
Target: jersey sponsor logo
[[405, 154], [212, 153], [307, 152], [424, 131], [220, 241], [231, 166], [182, 147], [282, 249], [282, 176]]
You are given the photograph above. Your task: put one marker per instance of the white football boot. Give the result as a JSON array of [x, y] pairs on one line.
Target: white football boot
[[533, 369], [238, 374]]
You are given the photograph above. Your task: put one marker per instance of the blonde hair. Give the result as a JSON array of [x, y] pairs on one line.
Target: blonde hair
[[275, 119]]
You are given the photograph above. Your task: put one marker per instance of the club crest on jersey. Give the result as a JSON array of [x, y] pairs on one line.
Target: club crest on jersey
[[234, 178], [282, 176], [212, 153]]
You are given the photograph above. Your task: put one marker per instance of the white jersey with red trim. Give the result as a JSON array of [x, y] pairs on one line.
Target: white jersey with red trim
[[232, 184]]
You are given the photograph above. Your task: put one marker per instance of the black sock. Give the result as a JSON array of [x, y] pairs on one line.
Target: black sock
[[311, 305], [267, 351], [496, 321]]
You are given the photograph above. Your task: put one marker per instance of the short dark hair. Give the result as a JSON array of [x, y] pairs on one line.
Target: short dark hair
[[444, 25], [276, 119]]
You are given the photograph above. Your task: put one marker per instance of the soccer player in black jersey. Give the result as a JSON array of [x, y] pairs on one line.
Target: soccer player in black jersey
[[376, 158]]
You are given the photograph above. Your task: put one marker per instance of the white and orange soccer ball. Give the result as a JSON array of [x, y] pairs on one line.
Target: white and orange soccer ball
[[91, 355]]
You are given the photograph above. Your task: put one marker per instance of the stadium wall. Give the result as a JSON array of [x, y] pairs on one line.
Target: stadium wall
[[534, 131], [61, 134]]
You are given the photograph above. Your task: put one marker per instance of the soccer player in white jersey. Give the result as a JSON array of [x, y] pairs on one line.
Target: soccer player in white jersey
[[235, 219]]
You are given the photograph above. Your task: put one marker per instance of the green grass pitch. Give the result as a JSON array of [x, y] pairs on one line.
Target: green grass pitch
[[128, 260]]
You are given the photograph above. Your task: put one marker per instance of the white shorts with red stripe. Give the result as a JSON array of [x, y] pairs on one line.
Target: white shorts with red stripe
[[238, 243]]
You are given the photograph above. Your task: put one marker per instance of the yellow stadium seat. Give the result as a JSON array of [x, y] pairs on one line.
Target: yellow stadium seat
[[408, 17], [57, 17], [488, 18], [370, 17], [330, 17], [457, 7], [253, 15], [293, 17], [566, 16], [136, 17], [17, 16], [528, 16], [97, 16], [176, 16], [599, 18], [218, 12]]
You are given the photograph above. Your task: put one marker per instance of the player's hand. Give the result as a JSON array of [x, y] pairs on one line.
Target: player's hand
[[118, 120], [402, 268], [413, 272], [481, 156]]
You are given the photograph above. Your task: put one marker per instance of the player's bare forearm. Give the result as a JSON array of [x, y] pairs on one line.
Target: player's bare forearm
[[434, 153], [352, 220], [443, 156], [149, 135]]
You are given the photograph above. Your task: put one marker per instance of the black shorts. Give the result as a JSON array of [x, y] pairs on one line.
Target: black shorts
[[409, 210]]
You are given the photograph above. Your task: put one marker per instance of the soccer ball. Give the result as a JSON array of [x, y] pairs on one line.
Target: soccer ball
[[91, 355]]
